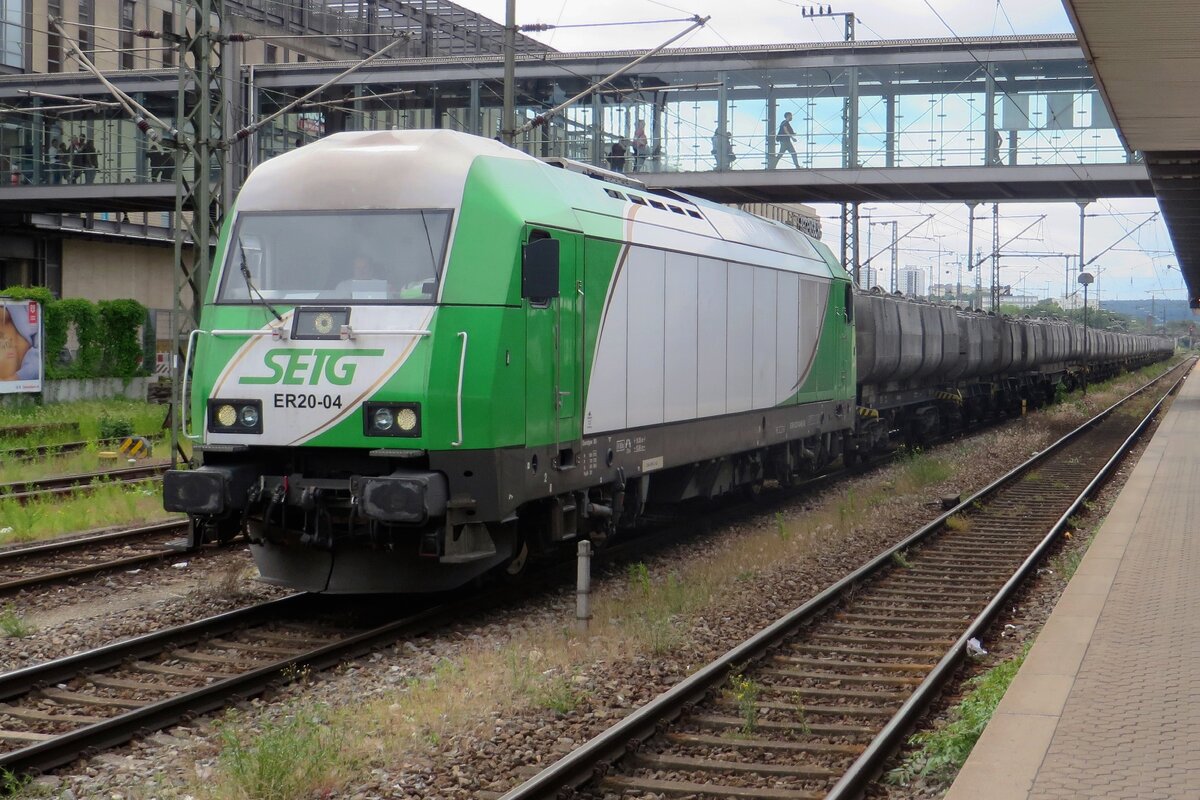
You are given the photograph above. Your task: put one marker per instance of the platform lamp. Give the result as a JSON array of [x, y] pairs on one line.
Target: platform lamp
[[1085, 280]]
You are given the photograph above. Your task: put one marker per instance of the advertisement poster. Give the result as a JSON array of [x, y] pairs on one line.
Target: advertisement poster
[[20, 346]]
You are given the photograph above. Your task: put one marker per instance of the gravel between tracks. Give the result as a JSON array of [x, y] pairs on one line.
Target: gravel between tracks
[[93, 611], [491, 748]]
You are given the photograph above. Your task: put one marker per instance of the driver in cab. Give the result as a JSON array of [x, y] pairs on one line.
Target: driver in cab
[[368, 280]]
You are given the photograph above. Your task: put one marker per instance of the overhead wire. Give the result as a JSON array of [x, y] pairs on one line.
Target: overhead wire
[[954, 221]]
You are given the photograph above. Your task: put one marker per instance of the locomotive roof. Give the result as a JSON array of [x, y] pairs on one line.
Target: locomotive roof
[[375, 170]]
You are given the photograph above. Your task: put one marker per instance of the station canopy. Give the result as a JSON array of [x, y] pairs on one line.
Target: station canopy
[[1144, 57]]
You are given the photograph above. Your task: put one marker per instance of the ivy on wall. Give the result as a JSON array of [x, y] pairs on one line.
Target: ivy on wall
[[109, 334]]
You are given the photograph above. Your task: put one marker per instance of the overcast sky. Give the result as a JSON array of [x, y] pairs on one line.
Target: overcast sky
[[1141, 266]]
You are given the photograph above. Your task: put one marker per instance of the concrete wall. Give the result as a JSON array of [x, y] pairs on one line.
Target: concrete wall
[[111, 271], [95, 389]]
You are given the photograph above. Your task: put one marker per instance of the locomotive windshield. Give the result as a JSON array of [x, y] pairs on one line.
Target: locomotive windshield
[[335, 257]]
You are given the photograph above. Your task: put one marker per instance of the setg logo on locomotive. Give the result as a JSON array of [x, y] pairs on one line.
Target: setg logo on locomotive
[[296, 366]]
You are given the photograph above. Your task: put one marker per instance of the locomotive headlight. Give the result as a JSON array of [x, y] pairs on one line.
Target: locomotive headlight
[[392, 419], [383, 419], [249, 417], [227, 415], [235, 416]]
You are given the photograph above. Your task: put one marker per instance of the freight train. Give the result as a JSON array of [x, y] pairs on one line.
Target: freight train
[[425, 356]]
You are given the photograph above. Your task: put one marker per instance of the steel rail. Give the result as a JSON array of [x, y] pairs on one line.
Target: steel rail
[[23, 491], [61, 448], [51, 549], [595, 756], [38, 451], [82, 542]]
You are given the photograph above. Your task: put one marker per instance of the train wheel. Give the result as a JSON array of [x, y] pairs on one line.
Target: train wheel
[[206, 530], [751, 491], [516, 565]]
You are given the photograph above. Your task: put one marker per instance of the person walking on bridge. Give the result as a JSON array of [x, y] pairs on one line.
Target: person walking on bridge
[[784, 139]]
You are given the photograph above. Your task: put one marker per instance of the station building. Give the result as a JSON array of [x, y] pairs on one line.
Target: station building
[[76, 244]]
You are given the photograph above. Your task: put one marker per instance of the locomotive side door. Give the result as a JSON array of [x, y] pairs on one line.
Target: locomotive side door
[[553, 347]]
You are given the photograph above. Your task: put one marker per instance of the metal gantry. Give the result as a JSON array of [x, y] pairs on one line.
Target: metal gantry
[[200, 174]]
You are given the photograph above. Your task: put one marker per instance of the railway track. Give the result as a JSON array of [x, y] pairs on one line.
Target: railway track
[[54, 562], [24, 491], [41, 451], [53, 712], [811, 706], [62, 448]]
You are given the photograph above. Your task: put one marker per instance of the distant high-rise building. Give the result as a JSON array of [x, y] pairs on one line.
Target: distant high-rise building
[[912, 281], [868, 277]]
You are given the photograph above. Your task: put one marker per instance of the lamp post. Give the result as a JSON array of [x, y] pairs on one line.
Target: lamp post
[[1085, 279]]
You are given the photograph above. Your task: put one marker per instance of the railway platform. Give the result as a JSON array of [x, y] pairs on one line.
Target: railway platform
[[1105, 703]]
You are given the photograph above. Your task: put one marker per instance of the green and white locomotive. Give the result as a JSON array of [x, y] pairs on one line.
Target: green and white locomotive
[[425, 356]]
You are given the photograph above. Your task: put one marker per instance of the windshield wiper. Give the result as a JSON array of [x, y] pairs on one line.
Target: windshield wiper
[[250, 287]]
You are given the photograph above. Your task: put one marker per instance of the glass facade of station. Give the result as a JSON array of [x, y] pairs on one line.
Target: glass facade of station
[[665, 117], [922, 115]]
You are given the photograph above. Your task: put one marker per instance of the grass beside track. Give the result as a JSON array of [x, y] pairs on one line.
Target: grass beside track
[[55, 464], [107, 504], [146, 419]]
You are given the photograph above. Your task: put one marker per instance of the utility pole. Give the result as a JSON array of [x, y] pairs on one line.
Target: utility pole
[[1083, 204], [827, 11], [895, 256], [971, 248], [854, 248], [850, 105], [996, 257], [200, 171], [507, 124]]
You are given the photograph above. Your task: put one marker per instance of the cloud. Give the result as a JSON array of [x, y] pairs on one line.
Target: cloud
[[775, 21]]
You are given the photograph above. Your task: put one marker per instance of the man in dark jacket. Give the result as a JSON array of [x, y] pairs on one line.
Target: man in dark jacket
[[784, 139], [89, 159]]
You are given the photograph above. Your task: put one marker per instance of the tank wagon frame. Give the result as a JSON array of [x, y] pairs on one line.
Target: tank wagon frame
[[424, 356], [924, 368]]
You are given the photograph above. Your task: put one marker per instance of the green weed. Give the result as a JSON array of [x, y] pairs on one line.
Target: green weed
[[1065, 564], [558, 695], [744, 693], [900, 559], [943, 751], [925, 470], [800, 719], [847, 510], [781, 529], [958, 523], [639, 577], [11, 783], [13, 625], [300, 756]]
